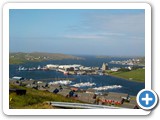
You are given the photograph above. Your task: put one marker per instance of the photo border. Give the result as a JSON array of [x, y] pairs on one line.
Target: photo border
[[122, 111]]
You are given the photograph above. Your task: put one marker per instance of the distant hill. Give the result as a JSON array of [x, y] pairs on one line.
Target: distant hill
[[20, 57]]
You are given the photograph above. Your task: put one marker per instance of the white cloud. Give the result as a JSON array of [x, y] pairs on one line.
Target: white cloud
[[78, 36], [93, 35], [119, 23], [101, 26], [111, 34]]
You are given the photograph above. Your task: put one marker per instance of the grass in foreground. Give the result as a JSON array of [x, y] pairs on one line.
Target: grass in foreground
[[35, 99], [135, 75]]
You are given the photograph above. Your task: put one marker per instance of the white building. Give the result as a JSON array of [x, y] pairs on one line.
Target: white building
[[115, 69], [51, 66]]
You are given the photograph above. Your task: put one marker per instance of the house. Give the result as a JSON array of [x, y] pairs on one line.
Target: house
[[15, 82], [42, 85], [114, 98], [51, 66], [74, 89], [115, 69], [17, 78], [90, 90], [30, 83]]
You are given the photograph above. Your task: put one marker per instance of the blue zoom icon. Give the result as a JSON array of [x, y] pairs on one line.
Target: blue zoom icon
[[147, 99]]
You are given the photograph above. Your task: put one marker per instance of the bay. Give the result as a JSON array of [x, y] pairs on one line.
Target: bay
[[113, 84]]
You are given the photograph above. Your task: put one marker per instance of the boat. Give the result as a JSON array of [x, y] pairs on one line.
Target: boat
[[85, 84], [62, 82], [39, 67], [31, 69], [101, 74], [22, 68], [107, 87]]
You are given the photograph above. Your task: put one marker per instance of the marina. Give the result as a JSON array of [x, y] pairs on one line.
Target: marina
[[101, 82]]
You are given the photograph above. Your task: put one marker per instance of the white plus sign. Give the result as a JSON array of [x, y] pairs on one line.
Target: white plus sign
[[147, 99]]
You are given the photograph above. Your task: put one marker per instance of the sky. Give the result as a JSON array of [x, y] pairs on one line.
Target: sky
[[115, 32]]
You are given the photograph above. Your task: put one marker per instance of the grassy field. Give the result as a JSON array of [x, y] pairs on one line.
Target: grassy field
[[134, 75], [35, 99]]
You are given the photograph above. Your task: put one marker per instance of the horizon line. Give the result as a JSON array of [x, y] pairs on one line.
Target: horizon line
[[101, 55]]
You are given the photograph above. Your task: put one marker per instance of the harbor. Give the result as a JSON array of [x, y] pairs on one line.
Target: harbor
[[101, 82], [74, 69]]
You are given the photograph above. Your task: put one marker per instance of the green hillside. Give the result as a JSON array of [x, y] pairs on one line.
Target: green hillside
[[35, 99], [19, 58], [135, 75]]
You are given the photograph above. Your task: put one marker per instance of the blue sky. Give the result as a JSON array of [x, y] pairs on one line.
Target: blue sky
[[78, 32]]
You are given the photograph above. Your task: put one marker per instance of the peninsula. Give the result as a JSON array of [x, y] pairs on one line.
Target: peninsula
[[20, 57]]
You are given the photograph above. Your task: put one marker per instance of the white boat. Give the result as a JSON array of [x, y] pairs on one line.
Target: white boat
[[22, 68], [39, 67], [107, 87], [101, 74], [62, 82], [85, 84]]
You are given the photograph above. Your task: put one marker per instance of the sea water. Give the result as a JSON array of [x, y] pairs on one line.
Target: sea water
[[98, 82]]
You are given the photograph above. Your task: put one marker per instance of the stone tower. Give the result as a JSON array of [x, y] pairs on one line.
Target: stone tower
[[104, 66]]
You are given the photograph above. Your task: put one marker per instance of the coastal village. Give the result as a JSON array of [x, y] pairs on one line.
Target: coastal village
[[77, 69], [90, 95]]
